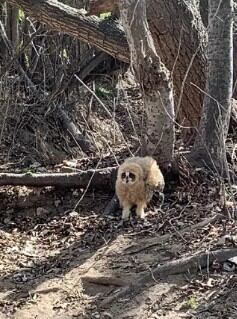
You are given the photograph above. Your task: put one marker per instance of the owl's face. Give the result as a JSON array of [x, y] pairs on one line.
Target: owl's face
[[130, 173], [128, 177]]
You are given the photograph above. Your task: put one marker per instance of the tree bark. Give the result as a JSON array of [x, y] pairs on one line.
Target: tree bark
[[209, 148], [155, 82], [179, 37], [203, 5]]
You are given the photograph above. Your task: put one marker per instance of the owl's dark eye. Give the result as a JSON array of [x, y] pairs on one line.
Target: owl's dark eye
[[132, 176], [123, 175]]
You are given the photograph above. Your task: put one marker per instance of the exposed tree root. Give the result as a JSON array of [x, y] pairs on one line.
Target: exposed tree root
[[105, 280], [180, 266], [96, 178]]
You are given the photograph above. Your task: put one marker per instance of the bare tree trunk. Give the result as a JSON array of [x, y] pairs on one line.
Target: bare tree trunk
[[209, 147], [204, 14], [155, 81]]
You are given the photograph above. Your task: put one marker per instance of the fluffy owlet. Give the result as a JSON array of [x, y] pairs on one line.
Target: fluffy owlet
[[137, 179]]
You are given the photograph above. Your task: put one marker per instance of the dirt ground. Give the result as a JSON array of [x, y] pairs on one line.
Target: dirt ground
[[57, 262], [62, 258]]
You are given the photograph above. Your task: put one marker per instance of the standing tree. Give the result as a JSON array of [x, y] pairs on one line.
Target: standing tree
[[155, 82], [209, 147]]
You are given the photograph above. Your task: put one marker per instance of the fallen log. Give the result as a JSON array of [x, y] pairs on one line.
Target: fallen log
[[174, 267], [100, 179]]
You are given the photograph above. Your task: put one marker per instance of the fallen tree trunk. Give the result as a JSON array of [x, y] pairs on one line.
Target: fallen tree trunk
[[105, 35], [180, 266], [102, 179]]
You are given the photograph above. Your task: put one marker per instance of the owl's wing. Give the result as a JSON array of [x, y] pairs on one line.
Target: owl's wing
[[155, 178]]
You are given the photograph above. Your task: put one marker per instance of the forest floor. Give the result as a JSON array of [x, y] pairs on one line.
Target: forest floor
[[61, 258]]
